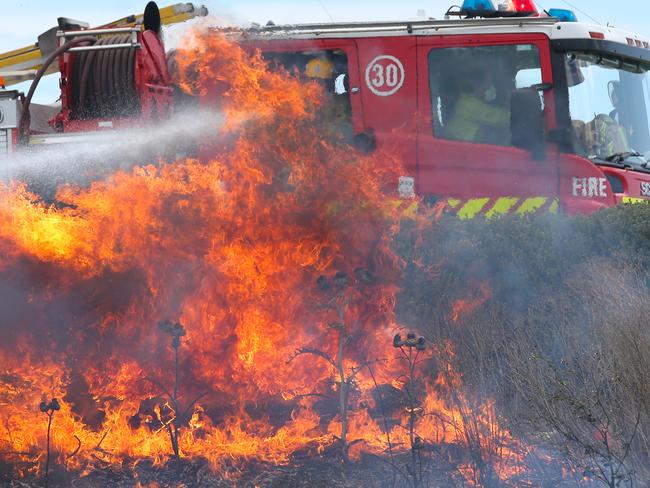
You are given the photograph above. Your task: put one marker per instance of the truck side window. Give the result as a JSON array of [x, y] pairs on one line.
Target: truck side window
[[324, 67], [471, 89]]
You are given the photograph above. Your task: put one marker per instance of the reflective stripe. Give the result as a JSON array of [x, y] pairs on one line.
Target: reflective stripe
[[531, 205], [495, 207], [411, 211], [453, 203], [407, 208], [488, 207], [633, 200], [502, 206], [472, 208]]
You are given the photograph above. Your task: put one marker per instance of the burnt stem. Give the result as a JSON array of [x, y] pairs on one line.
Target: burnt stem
[[412, 416], [176, 422], [50, 415], [343, 391]]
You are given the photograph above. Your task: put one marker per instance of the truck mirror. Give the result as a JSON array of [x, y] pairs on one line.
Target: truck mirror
[[527, 121], [341, 84]]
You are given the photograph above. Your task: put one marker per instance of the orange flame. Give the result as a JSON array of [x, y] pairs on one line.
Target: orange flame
[[466, 306], [231, 251]]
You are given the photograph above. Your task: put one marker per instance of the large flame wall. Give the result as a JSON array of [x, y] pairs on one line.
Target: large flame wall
[[232, 248]]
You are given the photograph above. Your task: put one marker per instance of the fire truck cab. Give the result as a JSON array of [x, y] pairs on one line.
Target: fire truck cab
[[500, 111]]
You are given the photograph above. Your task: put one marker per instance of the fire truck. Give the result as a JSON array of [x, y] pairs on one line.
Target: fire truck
[[495, 109]]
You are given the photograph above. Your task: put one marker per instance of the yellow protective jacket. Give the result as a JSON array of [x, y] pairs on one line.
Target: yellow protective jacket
[[473, 120]]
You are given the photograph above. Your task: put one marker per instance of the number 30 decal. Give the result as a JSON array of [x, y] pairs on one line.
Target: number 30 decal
[[385, 75]]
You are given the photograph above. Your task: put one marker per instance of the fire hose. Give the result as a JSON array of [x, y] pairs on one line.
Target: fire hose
[[25, 119], [104, 81]]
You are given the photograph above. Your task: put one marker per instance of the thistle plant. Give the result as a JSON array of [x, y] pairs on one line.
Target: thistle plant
[[173, 426], [411, 348], [48, 408], [339, 292]]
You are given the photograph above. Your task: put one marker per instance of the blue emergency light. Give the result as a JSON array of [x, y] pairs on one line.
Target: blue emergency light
[[563, 15], [477, 7]]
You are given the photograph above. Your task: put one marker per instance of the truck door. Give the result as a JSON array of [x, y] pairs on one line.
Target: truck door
[[388, 94], [466, 158], [330, 62]]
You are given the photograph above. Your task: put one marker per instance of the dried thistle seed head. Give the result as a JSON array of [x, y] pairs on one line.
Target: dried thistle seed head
[[323, 283], [340, 280], [411, 340], [397, 341], [178, 330], [174, 330], [43, 407], [54, 404]]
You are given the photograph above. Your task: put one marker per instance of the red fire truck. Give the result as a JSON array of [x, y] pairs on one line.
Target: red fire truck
[[496, 109]]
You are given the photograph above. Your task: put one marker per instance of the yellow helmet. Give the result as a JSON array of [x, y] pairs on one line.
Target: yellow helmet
[[320, 68]]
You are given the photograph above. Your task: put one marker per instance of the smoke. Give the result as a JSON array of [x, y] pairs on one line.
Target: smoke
[[561, 341], [79, 159]]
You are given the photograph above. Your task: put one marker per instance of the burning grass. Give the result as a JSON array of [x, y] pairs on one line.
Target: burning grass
[[233, 247]]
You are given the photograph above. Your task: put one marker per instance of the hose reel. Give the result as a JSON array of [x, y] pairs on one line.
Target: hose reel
[[103, 80], [104, 73]]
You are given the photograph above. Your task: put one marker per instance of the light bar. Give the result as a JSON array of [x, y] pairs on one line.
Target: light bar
[[563, 15], [477, 7], [520, 7]]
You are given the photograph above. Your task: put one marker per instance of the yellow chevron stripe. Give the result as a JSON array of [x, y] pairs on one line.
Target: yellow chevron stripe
[[411, 211], [633, 200], [408, 211], [453, 202], [502, 206], [469, 209], [531, 205], [472, 208]]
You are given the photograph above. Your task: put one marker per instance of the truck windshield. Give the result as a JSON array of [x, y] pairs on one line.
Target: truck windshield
[[609, 103]]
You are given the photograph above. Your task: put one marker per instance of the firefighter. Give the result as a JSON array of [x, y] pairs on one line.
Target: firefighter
[[606, 134], [336, 111], [601, 137], [320, 68], [477, 116]]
